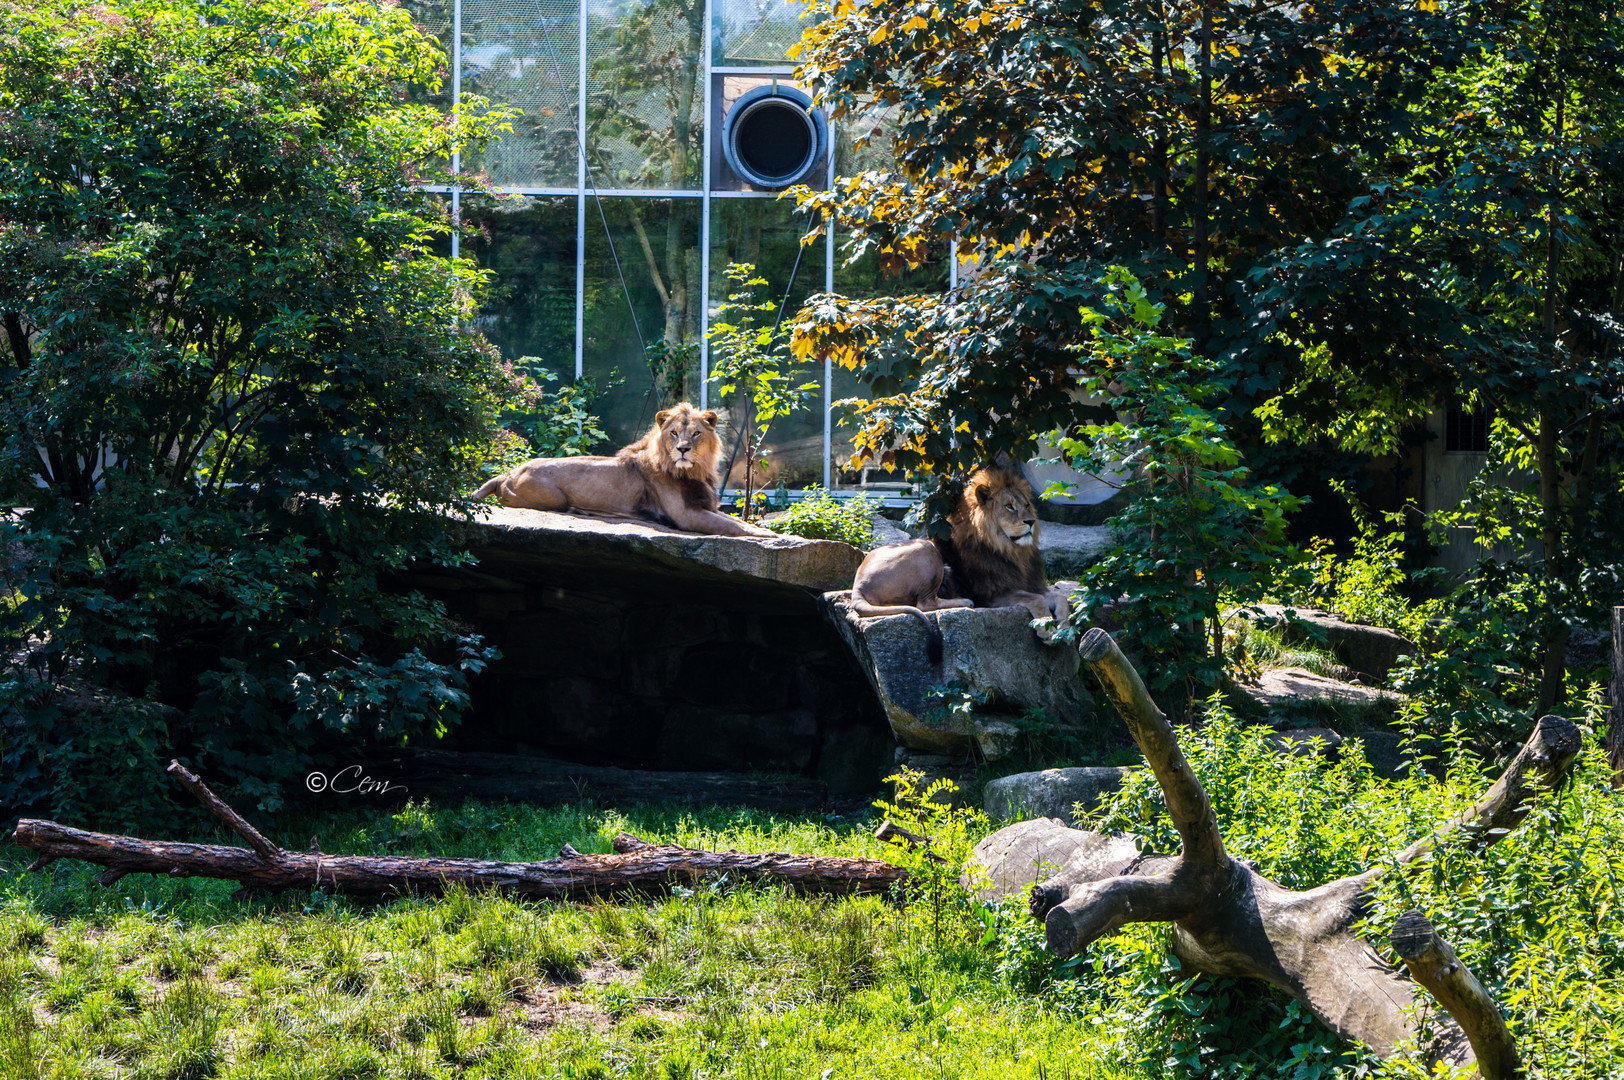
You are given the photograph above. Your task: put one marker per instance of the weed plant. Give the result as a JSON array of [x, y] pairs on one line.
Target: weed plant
[[821, 516]]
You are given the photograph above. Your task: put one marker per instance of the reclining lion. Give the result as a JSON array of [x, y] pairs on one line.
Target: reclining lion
[[668, 477], [991, 559]]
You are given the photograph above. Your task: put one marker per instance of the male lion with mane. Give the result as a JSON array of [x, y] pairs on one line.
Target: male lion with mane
[[991, 559], [668, 477]]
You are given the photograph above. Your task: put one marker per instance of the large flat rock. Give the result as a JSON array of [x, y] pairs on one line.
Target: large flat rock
[[1369, 650], [993, 656], [625, 645], [818, 565], [1284, 688]]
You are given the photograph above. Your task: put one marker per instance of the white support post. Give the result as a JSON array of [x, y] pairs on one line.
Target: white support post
[[828, 365], [580, 199], [705, 218], [456, 102]]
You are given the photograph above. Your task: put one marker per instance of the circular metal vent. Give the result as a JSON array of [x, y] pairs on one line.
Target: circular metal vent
[[772, 136]]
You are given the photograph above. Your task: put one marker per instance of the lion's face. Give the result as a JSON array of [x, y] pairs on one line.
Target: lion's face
[[1006, 511], [686, 442]]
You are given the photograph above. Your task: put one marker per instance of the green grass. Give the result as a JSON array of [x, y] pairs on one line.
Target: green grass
[[174, 979], [1269, 649]]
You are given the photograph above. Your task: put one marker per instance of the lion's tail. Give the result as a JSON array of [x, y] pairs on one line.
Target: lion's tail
[[490, 487], [933, 633]]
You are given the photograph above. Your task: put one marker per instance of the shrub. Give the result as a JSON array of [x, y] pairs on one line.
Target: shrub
[[238, 396], [821, 516], [1197, 531], [1531, 913]]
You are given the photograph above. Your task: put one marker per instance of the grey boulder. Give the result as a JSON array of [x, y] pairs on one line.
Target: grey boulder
[[1051, 793], [600, 544], [999, 666], [1369, 650]]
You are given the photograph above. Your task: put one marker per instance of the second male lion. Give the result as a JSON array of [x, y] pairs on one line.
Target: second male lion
[[992, 554], [667, 477], [992, 551]]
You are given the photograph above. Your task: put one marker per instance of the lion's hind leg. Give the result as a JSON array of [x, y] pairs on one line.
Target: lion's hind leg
[[533, 492]]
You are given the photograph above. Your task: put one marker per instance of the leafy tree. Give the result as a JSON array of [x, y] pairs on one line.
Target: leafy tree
[[752, 361], [237, 396], [1190, 144], [1355, 209], [1197, 531], [550, 421]]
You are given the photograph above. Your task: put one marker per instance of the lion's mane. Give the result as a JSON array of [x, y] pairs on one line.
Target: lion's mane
[[983, 562], [654, 460]]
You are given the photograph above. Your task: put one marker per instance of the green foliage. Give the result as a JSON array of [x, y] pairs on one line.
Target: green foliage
[[821, 516], [1430, 206], [1527, 915], [747, 982], [1197, 531], [753, 360], [1535, 919], [237, 395], [1368, 585], [671, 364], [718, 979], [1050, 147], [944, 835], [547, 420], [1250, 647]]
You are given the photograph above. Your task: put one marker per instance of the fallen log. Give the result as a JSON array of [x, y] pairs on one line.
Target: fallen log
[[1229, 920], [635, 867]]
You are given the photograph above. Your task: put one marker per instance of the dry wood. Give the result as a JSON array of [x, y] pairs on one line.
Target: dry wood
[[1435, 966], [1228, 919], [635, 867]]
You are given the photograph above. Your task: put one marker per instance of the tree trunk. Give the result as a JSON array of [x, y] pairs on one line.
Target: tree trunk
[[1553, 664], [1203, 165], [636, 866], [1229, 920], [1615, 718]]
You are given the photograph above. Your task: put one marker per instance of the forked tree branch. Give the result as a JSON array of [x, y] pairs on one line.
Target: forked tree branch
[[1540, 766], [1229, 920], [1187, 802]]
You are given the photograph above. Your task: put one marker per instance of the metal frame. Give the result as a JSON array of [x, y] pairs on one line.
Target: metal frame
[[704, 194]]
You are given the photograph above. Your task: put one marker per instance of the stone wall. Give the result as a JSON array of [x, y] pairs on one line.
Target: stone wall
[[624, 645]]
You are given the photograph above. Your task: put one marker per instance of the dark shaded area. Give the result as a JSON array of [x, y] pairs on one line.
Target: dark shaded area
[[614, 658], [773, 140]]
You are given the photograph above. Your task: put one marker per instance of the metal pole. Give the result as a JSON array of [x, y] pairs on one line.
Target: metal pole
[[828, 365], [456, 150], [580, 199], [705, 219]]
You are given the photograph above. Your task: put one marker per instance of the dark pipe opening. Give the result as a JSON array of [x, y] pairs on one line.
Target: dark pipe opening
[[774, 139]]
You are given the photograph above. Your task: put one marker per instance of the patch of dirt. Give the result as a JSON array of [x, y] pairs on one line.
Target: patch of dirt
[[556, 1001], [604, 972], [551, 1005]]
